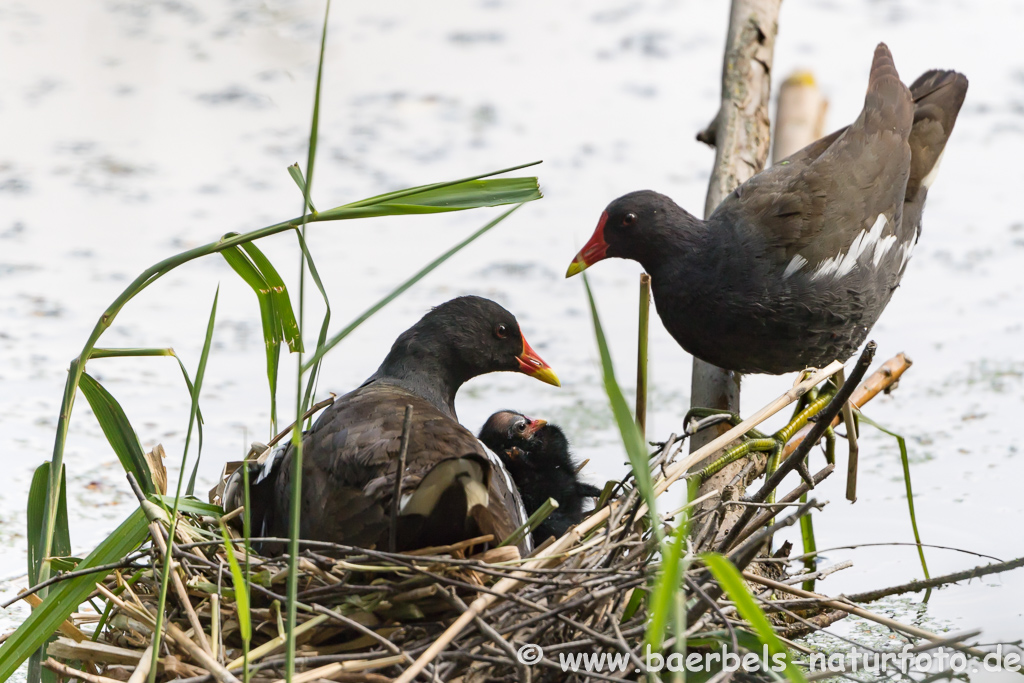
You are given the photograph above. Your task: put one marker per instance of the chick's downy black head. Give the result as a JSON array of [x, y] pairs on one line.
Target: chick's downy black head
[[537, 456], [506, 430]]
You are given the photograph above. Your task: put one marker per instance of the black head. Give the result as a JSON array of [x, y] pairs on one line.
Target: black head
[[461, 339], [638, 226]]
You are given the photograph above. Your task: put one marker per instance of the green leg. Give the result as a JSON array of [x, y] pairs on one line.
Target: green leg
[[810, 405]]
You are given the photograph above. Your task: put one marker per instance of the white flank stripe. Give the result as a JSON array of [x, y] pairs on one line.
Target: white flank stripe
[[796, 264], [842, 264]]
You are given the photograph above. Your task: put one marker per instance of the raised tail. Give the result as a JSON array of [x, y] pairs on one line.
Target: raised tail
[[938, 96], [888, 105]]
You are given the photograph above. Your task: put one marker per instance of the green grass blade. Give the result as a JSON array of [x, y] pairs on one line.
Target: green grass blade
[[120, 435], [905, 459], [314, 126], [241, 588], [195, 417], [129, 352], [173, 516], [37, 497], [631, 438], [161, 352], [190, 505], [296, 173], [395, 293], [665, 596], [66, 596], [296, 487], [732, 582], [666, 586], [438, 199], [314, 368], [400, 194]]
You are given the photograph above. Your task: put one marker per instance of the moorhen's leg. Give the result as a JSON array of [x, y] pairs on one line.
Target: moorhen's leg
[[760, 443]]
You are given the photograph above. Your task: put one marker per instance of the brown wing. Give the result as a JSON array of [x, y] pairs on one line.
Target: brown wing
[[816, 202], [350, 462]]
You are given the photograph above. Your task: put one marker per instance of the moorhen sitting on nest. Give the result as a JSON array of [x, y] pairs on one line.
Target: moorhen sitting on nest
[[794, 267], [452, 489], [537, 456]]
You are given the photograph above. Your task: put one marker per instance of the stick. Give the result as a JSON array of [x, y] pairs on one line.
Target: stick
[[854, 449], [396, 499], [156, 532], [71, 673], [141, 672], [860, 612], [641, 353], [915, 585]]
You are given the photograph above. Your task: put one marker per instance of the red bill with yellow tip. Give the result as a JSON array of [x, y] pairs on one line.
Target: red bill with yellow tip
[[593, 251], [534, 366]]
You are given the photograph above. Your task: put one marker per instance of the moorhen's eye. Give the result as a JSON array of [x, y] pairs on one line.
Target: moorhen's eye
[[520, 426], [629, 219], [501, 331]]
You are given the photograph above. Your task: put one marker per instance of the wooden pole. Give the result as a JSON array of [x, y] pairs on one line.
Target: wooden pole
[[741, 138]]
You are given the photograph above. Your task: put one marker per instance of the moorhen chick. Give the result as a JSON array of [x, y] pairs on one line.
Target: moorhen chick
[[452, 489], [794, 267], [537, 456]]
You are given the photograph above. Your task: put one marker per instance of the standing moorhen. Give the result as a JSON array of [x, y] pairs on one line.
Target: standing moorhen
[[795, 266], [451, 488], [537, 456]]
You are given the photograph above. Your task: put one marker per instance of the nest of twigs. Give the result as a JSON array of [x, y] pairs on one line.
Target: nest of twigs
[[368, 615]]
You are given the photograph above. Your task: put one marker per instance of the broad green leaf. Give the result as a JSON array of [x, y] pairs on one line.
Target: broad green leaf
[[631, 437], [470, 194], [66, 596], [118, 430], [279, 292], [37, 497], [905, 459], [732, 582], [395, 293], [239, 261]]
